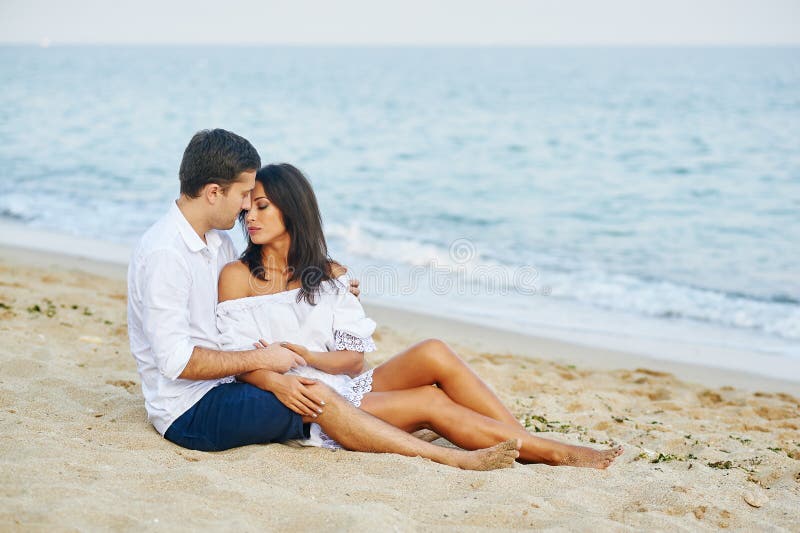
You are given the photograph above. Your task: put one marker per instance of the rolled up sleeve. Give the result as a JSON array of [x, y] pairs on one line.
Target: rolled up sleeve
[[165, 311]]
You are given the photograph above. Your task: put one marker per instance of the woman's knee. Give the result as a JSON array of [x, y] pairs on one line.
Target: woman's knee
[[433, 345], [436, 352]]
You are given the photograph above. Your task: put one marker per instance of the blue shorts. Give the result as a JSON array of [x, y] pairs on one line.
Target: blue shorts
[[236, 414]]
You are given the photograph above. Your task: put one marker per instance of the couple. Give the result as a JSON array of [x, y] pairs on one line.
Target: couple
[[270, 347]]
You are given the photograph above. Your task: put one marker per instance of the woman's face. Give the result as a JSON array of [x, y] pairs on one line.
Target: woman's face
[[264, 220]]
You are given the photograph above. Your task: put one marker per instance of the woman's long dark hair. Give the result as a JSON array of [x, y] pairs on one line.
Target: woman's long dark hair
[[308, 261]]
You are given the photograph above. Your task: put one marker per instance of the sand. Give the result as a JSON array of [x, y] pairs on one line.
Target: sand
[[76, 450]]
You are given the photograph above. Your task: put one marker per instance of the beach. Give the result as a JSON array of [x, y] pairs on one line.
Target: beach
[[704, 448]]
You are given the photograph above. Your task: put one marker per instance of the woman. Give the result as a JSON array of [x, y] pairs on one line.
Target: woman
[[286, 288]]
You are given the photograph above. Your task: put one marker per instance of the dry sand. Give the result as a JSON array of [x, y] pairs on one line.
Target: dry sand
[[78, 453]]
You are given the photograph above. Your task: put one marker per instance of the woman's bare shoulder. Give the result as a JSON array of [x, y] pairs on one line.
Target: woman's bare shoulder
[[234, 281]]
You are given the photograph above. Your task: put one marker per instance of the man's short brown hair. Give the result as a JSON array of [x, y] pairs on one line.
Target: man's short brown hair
[[215, 156]]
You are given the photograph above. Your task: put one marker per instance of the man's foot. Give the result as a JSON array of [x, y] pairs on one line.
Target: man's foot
[[589, 457], [501, 455]]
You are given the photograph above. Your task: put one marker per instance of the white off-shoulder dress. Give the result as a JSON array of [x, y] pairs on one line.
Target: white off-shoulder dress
[[336, 322]]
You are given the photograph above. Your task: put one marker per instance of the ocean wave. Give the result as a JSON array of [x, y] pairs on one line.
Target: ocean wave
[[14, 215], [390, 246], [17, 208], [777, 314]]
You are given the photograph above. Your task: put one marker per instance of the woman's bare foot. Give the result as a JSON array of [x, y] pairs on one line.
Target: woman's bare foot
[[501, 455], [426, 434], [589, 457]]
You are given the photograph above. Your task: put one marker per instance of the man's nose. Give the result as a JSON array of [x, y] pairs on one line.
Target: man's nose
[[246, 202]]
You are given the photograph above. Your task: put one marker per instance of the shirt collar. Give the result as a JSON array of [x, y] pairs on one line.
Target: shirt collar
[[190, 236]]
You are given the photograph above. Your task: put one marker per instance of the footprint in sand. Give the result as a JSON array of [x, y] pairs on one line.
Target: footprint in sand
[[777, 413], [126, 384], [190, 455], [654, 373]]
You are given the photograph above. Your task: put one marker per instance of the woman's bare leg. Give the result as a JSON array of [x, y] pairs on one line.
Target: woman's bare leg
[[433, 362], [359, 431], [429, 407]]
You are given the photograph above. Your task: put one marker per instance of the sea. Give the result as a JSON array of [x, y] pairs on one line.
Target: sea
[[634, 195]]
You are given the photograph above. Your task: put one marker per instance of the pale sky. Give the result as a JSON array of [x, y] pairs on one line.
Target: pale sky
[[415, 22]]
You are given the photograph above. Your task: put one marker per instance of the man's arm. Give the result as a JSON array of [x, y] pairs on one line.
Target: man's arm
[[166, 287], [206, 363]]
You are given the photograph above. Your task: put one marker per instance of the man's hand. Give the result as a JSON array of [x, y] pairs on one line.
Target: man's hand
[[354, 283], [205, 363], [277, 358], [297, 393]]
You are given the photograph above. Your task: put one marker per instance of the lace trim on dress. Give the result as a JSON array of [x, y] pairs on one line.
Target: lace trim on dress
[[328, 442], [346, 341], [357, 388], [354, 393]]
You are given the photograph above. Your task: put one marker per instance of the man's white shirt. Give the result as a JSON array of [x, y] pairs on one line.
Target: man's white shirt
[[172, 298]]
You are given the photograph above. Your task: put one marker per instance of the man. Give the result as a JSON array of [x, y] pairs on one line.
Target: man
[[191, 395]]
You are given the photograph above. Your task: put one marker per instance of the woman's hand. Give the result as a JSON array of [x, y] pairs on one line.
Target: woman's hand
[[307, 355], [297, 393], [279, 358]]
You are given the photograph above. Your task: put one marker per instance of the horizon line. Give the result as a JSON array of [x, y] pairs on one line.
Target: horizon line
[[47, 43]]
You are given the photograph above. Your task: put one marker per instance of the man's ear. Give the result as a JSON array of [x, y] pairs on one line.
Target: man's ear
[[212, 192]]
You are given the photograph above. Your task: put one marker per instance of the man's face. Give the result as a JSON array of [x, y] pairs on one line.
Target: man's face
[[236, 199]]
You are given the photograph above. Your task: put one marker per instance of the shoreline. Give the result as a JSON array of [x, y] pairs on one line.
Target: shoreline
[[81, 254], [489, 339]]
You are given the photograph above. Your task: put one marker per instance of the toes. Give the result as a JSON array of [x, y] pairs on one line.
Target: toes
[[614, 452]]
